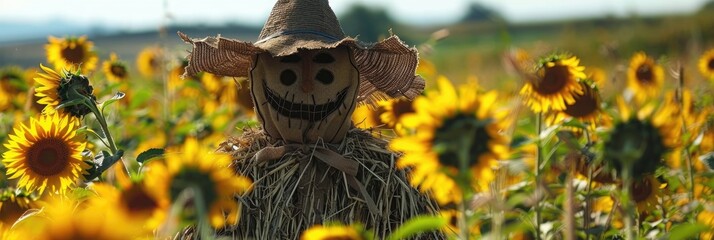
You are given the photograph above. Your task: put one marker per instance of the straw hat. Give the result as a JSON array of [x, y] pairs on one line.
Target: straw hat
[[387, 68]]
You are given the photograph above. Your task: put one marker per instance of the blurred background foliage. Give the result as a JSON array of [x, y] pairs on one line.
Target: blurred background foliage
[[474, 45]]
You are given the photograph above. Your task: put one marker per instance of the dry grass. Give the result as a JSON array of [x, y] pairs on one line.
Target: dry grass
[[296, 191]]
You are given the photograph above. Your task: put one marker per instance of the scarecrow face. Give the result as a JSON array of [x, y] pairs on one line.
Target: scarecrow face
[[306, 96]]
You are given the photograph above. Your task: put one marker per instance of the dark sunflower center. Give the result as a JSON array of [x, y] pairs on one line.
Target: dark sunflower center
[[153, 62], [118, 70], [644, 74], [453, 137], [137, 200], [73, 87], [553, 80], [48, 157], [641, 190], [201, 181], [11, 211], [635, 136], [400, 107], [710, 64], [584, 105], [453, 220], [73, 55]]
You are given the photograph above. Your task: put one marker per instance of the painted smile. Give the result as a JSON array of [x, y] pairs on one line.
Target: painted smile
[[305, 111]]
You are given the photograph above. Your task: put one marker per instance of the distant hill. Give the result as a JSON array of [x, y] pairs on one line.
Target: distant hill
[[30, 52]]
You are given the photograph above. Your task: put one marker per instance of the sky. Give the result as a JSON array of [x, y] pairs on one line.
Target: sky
[[147, 14]]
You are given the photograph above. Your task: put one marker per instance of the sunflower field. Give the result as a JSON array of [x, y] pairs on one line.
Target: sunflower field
[[113, 148]]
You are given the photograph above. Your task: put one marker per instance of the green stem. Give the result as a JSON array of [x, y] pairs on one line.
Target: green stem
[[463, 224], [627, 203], [204, 230], [105, 128], [108, 135], [690, 168], [539, 130], [92, 105], [464, 182], [588, 197], [588, 202]]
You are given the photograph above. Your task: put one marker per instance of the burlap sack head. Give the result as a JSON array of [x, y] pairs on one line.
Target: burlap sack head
[[302, 30]]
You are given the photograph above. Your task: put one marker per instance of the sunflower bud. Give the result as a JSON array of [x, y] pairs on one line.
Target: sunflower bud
[[74, 87], [636, 145]]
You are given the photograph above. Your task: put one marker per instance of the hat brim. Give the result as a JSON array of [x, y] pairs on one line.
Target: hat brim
[[387, 68]]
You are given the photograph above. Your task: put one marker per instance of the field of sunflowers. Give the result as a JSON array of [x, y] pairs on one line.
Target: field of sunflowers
[[125, 148]]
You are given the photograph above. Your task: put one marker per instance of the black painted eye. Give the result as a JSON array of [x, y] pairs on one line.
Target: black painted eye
[[323, 58], [290, 59], [288, 77], [325, 76]]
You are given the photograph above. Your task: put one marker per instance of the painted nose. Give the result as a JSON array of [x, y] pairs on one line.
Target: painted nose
[[307, 83]]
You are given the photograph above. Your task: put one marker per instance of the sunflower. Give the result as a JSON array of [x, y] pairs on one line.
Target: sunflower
[[555, 84], [149, 61], [133, 201], [190, 87], [55, 89], [47, 154], [447, 125], [645, 193], [71, 53], [706, 217], [644, 77], [213, 84], [62, 218], [114, 69], [240, 94], [393, 110], [706, 64], [319, 232], [207, 173], [604, 205], [368, 117], [642, 141], [585, 108], [13, 204]]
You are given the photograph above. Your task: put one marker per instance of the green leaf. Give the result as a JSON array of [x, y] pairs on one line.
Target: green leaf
[[117, 97], [70, 103], [575, 123], [81, 193], [240, 126], [418, 225], [548, 132], [520, 141], [686, 231], [102, 163], [149, 154], [597, 230]]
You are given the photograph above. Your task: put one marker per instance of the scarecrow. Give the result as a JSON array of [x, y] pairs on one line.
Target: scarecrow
[[309, 163]]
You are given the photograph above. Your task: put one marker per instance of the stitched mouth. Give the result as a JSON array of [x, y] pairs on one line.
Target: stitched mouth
[[305, 111]]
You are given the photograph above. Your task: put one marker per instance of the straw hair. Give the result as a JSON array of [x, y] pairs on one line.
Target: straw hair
[[387, 68], [296, 191]]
